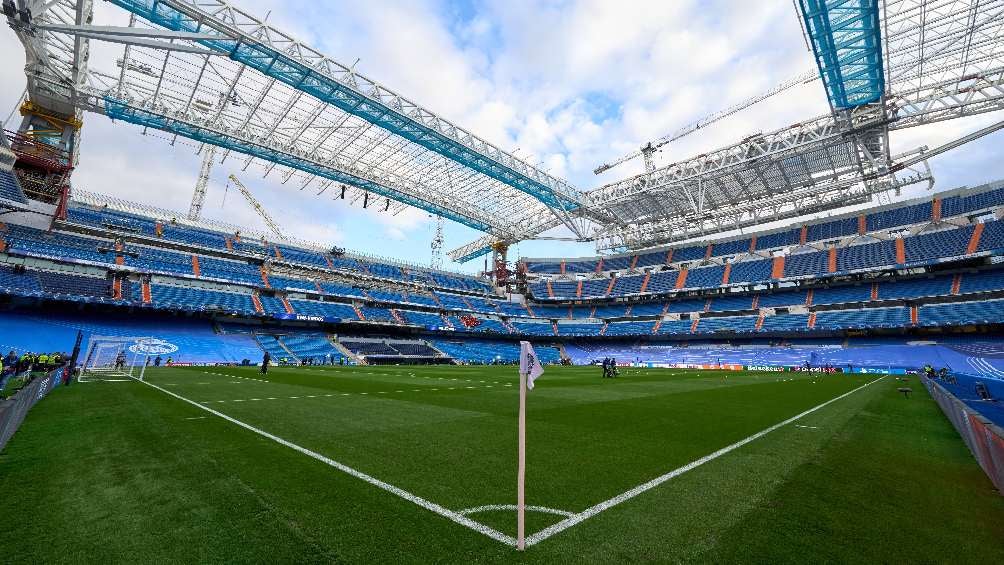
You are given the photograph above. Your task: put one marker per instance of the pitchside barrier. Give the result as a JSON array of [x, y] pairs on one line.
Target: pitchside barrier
[[14, 409], [984, 438]]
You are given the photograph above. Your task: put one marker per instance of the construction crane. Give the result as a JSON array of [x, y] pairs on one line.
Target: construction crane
[[199, 198], [648, 150], [258, 207], [437, 245]]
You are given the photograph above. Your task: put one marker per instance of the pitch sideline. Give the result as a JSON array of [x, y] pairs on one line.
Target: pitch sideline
[[413, 498], [629, 494]]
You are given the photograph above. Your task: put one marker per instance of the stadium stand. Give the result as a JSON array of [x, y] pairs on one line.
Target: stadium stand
[[104, 256]]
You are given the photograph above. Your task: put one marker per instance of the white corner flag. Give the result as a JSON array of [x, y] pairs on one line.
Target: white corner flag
[[529, 369], [529, 364]]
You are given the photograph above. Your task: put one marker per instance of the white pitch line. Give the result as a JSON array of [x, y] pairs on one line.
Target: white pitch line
[[397, 491], [494, 507], [628, 495]]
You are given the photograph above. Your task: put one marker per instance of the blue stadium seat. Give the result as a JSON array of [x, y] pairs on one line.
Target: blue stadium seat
[[865, 256], [705, 277], [10, 188], [738, 324], [779, 239], [750, 271], [899, 216], [579, 329], [961, 313], [329, 309], [785, 323], [982, 281], [863, 319], [782, 298], [200, 299], [629, 328], [969, 203], [929, 247], [734, 247], [832, 229], [917, 288], [992, 238], [811, 264], [842, 294], [687, 305], [23, 284], [730, 303]]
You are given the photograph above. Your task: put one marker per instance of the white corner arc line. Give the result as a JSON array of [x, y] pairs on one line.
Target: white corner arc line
[[494, 507], [414, 499], [627, 495]]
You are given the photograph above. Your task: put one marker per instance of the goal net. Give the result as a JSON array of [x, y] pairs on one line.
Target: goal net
[[112, 358]]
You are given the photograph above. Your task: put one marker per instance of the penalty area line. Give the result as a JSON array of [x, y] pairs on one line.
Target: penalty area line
[[628, 495], [414, 499]]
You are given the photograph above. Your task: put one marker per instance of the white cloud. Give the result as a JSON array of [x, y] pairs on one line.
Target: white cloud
[[572, 84]]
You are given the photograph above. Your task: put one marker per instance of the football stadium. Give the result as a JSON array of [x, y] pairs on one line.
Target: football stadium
[[774, 334]]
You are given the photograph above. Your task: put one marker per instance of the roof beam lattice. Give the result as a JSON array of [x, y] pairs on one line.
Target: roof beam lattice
[[251, 42]]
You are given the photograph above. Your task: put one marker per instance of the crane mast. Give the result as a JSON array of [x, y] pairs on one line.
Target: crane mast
[[648, 150], [258, 207]]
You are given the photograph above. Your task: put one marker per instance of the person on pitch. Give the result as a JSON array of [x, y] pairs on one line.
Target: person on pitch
[[265, 359]]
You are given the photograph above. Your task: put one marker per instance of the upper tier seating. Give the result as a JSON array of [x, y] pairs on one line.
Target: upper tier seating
[[189, 235], [916, 288], [931, 246], [488, 351], [866, 256], [810, 264], [992, 238], [192, 298], [579, 329], [897, 216], [737, 324], [630, 328], [749, 271], [842, 294], [865, 318], [964, 204], [272, 305], [483, 325], [532, 328], [329, 309], [982, 312], [231, 270], [74, 285], [10, 188], [26, 283], [424, 319], [149, 259], [981, 282]]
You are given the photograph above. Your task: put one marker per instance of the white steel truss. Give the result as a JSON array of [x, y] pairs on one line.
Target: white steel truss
[[169, 80], [944, 60]]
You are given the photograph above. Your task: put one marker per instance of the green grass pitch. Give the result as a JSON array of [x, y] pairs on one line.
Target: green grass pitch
[[404, 464]]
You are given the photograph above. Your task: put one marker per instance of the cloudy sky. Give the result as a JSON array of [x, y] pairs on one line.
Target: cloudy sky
[[569, 84]]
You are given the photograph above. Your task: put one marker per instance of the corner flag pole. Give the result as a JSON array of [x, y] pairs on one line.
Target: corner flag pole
[[521, 467]]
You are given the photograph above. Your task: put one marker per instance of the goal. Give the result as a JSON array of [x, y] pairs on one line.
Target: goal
[[113, 358]]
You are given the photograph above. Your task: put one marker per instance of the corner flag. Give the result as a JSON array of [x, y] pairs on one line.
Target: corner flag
[[529, 364], [529, 369]]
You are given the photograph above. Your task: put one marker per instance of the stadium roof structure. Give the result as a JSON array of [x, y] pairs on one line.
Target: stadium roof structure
[[208, 71], [885, 66]]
